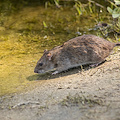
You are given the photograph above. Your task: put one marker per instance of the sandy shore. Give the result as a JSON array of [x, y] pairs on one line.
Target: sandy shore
[[87, 94]]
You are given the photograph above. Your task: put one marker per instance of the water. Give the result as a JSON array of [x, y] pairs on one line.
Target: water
[[25, 34]]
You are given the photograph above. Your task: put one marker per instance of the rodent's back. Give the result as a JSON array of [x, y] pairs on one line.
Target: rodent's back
[[86, 49]]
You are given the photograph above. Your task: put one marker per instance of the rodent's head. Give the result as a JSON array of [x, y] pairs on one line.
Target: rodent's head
[[45, 64]]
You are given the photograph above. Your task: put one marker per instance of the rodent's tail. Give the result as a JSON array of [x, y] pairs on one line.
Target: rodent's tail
[[117, 44]]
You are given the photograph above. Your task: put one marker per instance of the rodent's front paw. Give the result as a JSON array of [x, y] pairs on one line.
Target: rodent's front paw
[[54, 73]]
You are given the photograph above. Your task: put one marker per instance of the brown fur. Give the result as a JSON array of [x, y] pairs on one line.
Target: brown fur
[[86, 49]]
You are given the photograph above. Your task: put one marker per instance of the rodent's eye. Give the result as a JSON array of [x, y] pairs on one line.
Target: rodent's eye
[[40, 64]]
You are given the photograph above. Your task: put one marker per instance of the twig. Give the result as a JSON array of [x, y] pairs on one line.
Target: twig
[[97, 4], [25, 103]]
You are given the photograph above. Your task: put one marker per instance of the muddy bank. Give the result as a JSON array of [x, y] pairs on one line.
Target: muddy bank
[[75, 95]]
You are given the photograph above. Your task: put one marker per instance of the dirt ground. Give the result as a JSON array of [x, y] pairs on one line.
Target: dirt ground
[[87, 94]]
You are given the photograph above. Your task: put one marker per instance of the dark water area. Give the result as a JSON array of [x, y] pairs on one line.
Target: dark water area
[[26, 31]]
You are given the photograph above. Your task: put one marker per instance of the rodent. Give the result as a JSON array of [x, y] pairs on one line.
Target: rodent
[[82, 50]]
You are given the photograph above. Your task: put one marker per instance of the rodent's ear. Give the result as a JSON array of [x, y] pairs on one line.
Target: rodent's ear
[[49, 56]]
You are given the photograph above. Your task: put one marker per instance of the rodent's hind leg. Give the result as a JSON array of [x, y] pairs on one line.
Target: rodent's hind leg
[[97, 64], [94, 65]]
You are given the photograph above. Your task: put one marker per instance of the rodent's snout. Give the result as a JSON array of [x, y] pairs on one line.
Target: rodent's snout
[[35, 71]]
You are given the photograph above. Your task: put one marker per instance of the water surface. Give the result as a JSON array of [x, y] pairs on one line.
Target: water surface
[[26, 34]]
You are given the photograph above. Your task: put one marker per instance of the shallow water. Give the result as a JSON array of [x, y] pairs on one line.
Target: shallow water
[[26, 34]]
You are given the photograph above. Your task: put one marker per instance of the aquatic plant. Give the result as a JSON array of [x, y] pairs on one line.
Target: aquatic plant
[[57, 3], [44, 24], [115, 12], [88, 8], [79, 7]]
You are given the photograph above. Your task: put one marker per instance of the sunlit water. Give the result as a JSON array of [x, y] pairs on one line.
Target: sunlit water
[[26, 34]]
